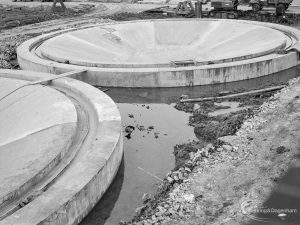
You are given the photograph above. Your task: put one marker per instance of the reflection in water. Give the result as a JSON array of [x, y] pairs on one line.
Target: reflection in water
[[108, 200], [148, 156], [169, 95]]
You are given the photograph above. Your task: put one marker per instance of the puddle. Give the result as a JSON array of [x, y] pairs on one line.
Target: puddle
[[148, 156]]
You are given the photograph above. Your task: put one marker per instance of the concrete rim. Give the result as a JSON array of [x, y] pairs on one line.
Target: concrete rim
[[79, 187], [33, 152], [155, 44], [171, 76]]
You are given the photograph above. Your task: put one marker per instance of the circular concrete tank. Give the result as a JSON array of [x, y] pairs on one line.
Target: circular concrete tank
[[165, 53], [60, 148]]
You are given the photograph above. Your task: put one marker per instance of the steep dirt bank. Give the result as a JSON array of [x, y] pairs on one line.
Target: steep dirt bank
[[250, 163]]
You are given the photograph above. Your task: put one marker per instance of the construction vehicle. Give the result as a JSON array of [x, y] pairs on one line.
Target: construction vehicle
[[185, 8], [221, 8], [280, 5], [226, 9]]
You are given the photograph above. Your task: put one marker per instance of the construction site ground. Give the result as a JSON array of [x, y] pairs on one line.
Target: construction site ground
[[245, 166]]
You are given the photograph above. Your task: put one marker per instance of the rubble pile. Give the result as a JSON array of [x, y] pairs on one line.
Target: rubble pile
[[8, 54], [267, 107]]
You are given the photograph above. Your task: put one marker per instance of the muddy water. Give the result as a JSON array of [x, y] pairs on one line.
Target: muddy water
[[148, 156]]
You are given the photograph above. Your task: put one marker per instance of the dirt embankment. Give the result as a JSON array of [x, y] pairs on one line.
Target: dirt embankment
[[234, 158], [208, 127], [14, 16], [128, 16]]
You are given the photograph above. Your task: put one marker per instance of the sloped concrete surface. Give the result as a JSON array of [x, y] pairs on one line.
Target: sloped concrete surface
[[37, 125], [79, 121], [34, 108], [165, 53], [153, 43]]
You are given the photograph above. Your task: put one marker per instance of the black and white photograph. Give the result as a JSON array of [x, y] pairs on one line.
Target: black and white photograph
[[149, 112]]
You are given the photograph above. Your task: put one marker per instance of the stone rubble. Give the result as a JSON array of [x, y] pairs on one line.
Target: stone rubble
[[181, 203]]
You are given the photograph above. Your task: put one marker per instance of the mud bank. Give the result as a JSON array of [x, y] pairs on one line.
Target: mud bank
[[214, 119]]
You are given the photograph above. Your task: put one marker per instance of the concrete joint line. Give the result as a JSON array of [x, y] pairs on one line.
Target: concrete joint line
[[37, 54], [86, 174]]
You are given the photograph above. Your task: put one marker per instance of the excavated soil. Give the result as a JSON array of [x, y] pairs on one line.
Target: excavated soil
[[15, 16]]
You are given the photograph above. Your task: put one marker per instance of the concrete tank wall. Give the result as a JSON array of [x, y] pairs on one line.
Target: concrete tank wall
[[75, 192], [169, 76]]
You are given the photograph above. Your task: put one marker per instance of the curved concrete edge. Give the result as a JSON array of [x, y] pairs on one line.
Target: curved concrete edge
[[34, 180], [47, 168], [166, 76], [79, 188], [173, 77]]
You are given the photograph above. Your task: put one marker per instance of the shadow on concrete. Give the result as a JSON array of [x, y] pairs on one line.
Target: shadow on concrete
[[170, 95], [284, 200], [101, 212]]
